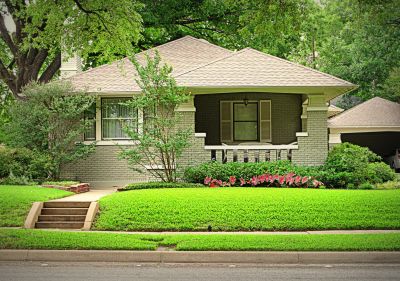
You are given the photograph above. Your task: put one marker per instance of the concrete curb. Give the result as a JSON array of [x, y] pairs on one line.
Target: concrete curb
[[201, 257]]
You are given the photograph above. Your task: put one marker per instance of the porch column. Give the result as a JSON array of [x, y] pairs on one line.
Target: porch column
[[195, 153], [313, 143], [335, 138]]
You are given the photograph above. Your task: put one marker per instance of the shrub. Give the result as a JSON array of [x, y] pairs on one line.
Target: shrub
[[14, 180], [217, 170], [22, 162], [348, 157], [152, 185], [366, 185], [379, 172], [389, 185], [350, 166]]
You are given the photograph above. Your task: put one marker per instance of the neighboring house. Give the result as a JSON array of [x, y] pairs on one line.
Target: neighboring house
[[374, 124], [245, 106]]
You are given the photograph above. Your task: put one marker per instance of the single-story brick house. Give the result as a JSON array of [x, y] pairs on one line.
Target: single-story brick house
[[245, 106]]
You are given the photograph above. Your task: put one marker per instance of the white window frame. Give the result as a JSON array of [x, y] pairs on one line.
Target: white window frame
[[137, 118]]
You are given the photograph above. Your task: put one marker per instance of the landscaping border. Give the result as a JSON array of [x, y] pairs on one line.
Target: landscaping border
[[236, 257]]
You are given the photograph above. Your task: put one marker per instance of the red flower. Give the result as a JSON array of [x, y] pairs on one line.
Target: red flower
[[297, 180], [242, 182], [232, 180], [304, 180]]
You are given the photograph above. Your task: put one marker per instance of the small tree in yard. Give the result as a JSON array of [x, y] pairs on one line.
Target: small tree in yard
[[49, 121], [161, 140]]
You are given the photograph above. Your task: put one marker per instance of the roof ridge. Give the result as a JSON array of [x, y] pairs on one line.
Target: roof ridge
[[302, 66], [346, 112], [156, 47], [98, 67], [233, 53]]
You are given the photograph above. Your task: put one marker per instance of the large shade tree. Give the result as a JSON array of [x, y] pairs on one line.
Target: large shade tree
[[34, 33]]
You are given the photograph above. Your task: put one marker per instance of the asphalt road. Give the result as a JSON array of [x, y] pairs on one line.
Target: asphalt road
[[36, 271]]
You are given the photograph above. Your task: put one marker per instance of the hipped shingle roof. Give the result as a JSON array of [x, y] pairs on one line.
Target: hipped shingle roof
[[376, 112], [197, 63]]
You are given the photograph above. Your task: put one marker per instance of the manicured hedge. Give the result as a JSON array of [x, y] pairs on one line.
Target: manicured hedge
[[152, 185], [217, 170], [347, 166]]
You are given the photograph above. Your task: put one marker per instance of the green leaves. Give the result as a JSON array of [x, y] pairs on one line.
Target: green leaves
[[49, 121], [161, 140]]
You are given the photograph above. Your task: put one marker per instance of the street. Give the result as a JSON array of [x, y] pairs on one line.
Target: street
[[20, 271]]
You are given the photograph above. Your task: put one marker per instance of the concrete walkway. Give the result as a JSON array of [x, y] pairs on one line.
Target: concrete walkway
[[92, 195]]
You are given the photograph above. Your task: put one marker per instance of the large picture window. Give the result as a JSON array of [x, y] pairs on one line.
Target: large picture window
[[114, 116]]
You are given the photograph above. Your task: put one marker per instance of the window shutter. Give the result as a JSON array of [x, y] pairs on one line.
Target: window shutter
[[265, 121], [226, 121]]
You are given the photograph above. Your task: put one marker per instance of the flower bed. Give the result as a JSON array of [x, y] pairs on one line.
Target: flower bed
[[267, 180]]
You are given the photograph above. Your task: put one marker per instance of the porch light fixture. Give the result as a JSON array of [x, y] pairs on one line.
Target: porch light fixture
[[246, 101]]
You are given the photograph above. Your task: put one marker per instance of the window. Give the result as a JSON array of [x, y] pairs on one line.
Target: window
[[90, 115], [115, 116], [240, 122], [245, 121]]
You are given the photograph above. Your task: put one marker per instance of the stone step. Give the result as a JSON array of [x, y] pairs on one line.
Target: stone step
[[64, 211], [61, 204], [60, 218], [63, 225]]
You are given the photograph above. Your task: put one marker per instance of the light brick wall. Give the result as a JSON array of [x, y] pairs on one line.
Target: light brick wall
[[103, 168], [313, 149]]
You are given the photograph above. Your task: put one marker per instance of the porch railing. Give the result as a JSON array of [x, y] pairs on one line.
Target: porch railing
[[251, 153]]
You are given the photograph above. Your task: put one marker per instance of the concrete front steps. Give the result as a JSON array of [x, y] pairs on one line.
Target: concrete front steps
[[62, 215]]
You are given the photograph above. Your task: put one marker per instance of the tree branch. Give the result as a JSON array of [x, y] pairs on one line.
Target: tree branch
[[8, 78], [51, 69], [6, 36]]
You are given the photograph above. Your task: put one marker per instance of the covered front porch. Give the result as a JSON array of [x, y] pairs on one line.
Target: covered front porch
[[262, 126]]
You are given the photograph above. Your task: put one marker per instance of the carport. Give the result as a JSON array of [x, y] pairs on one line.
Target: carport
[[374, 124]]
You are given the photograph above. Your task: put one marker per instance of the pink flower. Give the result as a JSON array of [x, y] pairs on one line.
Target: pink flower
[[304, 180], [297, 180], [207, 180], [262, 178], [281, 180], [232, 180], [242, 182], [254, 181]]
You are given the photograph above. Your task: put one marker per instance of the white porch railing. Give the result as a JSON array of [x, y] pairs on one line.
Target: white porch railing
[[251, 153]]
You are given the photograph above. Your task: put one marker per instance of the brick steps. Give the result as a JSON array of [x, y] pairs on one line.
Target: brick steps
[[64, 215]]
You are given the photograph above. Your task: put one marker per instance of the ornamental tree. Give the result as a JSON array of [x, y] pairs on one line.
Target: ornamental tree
[[49, 121], [160, 139]]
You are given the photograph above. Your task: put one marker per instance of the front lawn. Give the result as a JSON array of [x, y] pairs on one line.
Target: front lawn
[[16, 201], [249, 209], [39, 239]]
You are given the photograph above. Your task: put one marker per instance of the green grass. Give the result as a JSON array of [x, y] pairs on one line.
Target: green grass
[[39, 239], [16, 201], [249, 209]]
